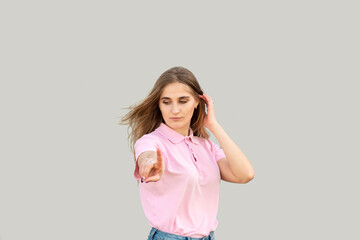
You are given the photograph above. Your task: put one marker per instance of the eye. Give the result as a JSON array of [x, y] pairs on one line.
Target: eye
[[182, 102]]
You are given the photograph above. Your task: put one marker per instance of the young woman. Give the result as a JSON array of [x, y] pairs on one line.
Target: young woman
[[180, 168]]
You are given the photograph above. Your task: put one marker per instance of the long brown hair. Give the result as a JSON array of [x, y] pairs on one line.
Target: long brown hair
[[146, 116]]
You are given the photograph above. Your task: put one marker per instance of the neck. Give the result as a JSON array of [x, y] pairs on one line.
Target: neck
[[184, 132]]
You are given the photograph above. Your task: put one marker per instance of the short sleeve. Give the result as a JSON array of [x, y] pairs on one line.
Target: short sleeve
[[143, 144], [217, 151]]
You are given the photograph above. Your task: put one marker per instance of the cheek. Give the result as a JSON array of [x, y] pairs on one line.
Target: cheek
[[164, 109], [190, 110]]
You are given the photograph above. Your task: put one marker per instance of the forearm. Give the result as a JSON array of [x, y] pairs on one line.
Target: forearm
[[238, 162]]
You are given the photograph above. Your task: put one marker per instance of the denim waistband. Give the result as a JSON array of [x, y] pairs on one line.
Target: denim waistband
[[169, 236]]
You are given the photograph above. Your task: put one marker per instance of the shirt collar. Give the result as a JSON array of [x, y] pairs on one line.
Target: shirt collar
[[173, 135]]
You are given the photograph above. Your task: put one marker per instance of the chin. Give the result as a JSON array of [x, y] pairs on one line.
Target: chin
[[177, 124]]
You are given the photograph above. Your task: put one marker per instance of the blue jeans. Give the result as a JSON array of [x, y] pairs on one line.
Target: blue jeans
[[156, 234]]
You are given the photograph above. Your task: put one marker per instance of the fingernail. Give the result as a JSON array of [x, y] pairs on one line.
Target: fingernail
[[142, 179]]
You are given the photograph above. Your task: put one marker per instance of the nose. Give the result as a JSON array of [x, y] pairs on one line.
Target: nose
[[175, 108]]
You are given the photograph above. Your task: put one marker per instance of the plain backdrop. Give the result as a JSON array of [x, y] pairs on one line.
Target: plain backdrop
[[284, 76]]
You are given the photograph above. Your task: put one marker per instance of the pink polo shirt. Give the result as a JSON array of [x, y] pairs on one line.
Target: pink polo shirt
[[185, 200]]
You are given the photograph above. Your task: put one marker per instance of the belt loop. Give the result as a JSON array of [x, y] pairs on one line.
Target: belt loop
[[152, 233], [211, 236]]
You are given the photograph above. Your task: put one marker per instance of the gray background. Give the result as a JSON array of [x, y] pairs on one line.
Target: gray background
[[284, 78]]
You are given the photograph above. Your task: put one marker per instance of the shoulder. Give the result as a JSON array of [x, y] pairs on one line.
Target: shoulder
[[148, 137]]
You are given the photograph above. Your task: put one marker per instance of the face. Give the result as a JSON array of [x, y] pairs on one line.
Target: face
[[177, 106]]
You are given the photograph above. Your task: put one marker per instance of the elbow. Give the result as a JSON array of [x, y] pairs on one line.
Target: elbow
[[247, 178]]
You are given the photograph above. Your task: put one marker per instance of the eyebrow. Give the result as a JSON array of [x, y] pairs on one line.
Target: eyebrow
[[182, 97]]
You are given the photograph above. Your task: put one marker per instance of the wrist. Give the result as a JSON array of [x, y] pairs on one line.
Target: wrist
[[214, 126]]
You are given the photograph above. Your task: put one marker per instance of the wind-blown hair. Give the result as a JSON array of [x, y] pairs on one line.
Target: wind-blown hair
[[146, 116]]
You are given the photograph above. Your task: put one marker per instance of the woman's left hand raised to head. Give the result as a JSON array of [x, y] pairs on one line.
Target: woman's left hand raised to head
[[210, 120]]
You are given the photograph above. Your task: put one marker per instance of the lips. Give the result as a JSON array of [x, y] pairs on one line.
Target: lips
[[177, 118]]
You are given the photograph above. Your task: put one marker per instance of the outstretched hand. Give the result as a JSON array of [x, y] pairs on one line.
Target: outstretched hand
[[151, 170]]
